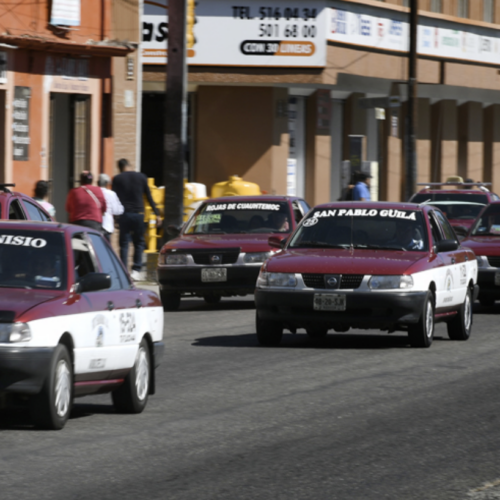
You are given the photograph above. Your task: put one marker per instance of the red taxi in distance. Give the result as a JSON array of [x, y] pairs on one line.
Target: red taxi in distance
[[18, 206], [484, 240], [461, 205], [390, 266], [72, 323], [220, 250]]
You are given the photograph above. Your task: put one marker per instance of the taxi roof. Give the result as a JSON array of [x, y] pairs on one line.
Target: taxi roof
[[259, 197], [33, 225]]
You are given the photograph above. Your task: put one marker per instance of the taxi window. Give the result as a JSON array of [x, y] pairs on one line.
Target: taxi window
[[107, 263], [449, 234], [450, 196], [15, 211], [32, 260], [386, 229], [33, 211], [241, 217], [436, 236], [83, 261], [488, 223]]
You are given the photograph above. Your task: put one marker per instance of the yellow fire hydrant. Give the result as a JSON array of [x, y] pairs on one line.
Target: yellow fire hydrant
[[153, 234]]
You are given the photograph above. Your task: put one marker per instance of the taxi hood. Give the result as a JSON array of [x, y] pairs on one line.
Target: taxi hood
[[14, 302], [340, 261], [483, 245], [253, 242]]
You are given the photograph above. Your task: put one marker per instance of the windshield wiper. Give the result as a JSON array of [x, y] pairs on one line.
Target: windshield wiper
[[320, 244]]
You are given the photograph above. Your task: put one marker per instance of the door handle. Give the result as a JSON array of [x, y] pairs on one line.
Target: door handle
[[111, 306], [453, 260], [138, 303], [466, 258]]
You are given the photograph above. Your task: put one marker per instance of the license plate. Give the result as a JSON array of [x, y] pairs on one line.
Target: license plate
[[213, 274], [497, 278], [329, 302]]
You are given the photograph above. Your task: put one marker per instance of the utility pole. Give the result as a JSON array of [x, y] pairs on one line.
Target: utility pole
[[175, 116], [411, 142]]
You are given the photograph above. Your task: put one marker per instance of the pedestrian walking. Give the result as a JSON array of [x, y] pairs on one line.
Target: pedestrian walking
[[130, 186], [86, 204], [361, 191], [113, 206], [41, 192]]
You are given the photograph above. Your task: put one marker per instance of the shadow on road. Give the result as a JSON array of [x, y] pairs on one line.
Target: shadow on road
[[302, 341], [224, 305], [80, 410], [479, 309]]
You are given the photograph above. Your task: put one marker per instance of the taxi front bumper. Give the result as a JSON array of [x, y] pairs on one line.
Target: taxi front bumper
[[186, 279], [380, 310], [23, 369]]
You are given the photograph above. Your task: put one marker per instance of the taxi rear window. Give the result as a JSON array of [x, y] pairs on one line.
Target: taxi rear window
[[473, 198], [489, 222], [385, 229], [241, 217], [32, 260]]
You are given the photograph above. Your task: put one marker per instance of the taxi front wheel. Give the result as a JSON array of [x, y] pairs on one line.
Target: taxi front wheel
[[422, 333], [170, 300], [269, 333], [50, 408], [132, 395], [460, 326]]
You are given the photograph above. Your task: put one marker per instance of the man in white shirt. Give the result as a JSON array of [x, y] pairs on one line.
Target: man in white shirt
[[113, 206]]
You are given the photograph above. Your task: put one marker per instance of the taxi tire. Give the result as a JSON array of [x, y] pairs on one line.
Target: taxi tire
[[212, 299], [59, 382], [422, 333], [170, 300], [459, 328], [269, 333], [126, 398]]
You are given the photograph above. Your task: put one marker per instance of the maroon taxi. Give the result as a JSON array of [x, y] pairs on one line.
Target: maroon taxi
[[461, 205], [484, 240], [221, 248], [72, 323], [18, 206], [389, 266]]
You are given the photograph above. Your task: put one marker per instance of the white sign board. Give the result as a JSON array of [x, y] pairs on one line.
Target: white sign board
[[475, 44], [291, 177], [265, 33], [65, 12]]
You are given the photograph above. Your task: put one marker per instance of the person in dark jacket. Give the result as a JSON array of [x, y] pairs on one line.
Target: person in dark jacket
[[86, 204], [130, 186]]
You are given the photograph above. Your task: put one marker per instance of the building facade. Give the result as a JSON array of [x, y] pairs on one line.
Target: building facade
[[56, 93], [285, 93]]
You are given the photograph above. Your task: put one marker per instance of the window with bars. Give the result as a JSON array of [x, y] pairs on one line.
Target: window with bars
[[488, 11], [463, 8]]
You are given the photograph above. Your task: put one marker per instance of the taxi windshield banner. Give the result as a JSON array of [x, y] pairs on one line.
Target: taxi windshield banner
[[243, 206], [366, 212]]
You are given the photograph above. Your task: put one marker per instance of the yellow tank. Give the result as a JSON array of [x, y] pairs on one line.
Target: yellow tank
[[153, 234], [194, 194], [235, 186]]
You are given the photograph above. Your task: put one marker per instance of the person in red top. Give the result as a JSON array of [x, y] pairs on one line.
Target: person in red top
[[86, 204]]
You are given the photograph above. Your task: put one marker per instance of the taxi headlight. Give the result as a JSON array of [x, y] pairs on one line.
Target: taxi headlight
[[482, 261], [390, 282], [276, 279], [256, 257], [14, 332], [175, 259]]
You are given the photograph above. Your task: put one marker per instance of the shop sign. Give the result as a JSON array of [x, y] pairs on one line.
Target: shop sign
[[434, 38], [65, 13], [20, 126], [276, 33]]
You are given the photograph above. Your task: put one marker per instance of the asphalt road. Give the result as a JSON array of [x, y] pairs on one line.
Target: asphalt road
[[356, 416]]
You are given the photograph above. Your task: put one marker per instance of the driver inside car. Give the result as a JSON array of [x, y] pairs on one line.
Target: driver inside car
[[408, 236]]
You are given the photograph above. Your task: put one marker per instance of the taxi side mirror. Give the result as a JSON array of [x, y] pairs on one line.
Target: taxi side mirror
[[173, 230], [277, 241], [93, 282], [446, 246]]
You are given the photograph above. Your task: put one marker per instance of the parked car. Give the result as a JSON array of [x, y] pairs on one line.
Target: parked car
[[388, 266], [72, 323], [484, 240], [18, 206], [460, 202], [221, 248]]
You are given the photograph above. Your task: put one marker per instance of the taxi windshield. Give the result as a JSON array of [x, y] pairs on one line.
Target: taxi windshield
[[489, 222], [450, 196], [385, 229], [457, 210], [241, 217], [32, 260]]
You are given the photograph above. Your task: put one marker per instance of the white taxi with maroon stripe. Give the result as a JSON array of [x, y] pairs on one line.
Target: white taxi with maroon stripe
[[72, 323], [389, 266]]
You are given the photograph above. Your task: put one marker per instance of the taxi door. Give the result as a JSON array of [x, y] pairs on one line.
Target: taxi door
[[126, 308], [452, 285]]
